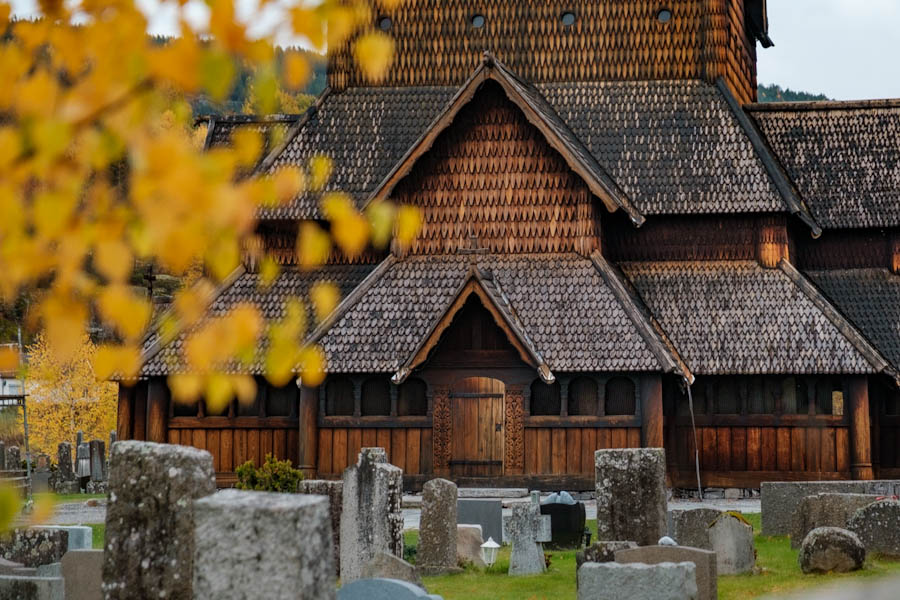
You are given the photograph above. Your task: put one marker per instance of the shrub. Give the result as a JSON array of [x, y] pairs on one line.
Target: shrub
[[273, 476]]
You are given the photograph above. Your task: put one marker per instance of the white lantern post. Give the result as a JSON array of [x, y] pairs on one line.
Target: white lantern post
[[489, 551]]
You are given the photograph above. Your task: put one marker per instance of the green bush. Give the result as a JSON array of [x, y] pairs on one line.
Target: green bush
[[274, 476]]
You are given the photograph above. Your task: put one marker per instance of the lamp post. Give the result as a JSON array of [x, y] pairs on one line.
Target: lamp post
[[489, 551]]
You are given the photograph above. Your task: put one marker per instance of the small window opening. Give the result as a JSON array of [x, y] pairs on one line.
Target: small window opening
[[664, 16], [385, 23], [568, 18], [477, 21]]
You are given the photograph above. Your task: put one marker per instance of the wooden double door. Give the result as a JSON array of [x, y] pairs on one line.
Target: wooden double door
[[477, 409]]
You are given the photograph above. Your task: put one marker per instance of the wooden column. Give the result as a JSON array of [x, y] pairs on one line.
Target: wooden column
[[652, 411], [308, 451], [514, 431], [124, 414], [139, 414], [895, 254], [157, 410], [772, 244], [860, 430], [441, 430]]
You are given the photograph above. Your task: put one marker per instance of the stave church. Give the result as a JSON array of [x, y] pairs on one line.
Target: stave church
[[620, 248]]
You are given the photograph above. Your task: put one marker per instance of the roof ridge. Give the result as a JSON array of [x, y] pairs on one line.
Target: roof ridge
[[823, 105], [275, 152]]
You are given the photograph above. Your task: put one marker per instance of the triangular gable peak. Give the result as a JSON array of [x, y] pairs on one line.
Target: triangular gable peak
[[482, 286]]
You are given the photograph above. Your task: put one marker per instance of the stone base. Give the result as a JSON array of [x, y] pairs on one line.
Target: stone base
[[96, 487]]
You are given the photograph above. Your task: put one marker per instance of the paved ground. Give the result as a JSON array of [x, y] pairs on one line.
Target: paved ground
[[78, 513]]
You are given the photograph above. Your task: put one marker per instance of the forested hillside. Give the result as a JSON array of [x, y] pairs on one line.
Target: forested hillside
[[775, 93]]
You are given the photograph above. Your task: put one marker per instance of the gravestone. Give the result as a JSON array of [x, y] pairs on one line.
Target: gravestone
[[731, 538], [371, 520], [83, 574], [567, 519], [112, 438], [79, 438], [690, 527], [14, 587], [13, 458], [63, 480], [526, 528], [81, 537], [831, 549], [825, 510], [437, 528], [149, 549], [618, 581], [383, 589], [878, 526], [83, 461], [602, 551], [34, 547], [2, 456], [487, 513], [388, 566], [334, 490], [262, 545], [98, 460], [704, 562], [631, 494], [468, 545]]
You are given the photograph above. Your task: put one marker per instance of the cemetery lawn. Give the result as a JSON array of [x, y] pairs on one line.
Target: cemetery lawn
[[780, 573], [99, 535], [76, 497]]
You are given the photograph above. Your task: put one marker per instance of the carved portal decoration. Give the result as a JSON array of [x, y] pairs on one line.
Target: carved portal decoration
[[514, 447], [441, 425]]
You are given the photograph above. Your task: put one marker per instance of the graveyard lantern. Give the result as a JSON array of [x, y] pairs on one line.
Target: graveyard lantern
[[489, 551]]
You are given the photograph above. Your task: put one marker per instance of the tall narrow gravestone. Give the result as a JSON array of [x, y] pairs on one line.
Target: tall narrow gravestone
[[149, 549], [437, 527], [98, 460], [334, 490], [371, 520], [631, 494], [263, 545]]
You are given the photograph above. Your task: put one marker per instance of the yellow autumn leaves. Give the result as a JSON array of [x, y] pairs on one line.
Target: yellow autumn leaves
[[100, 170]]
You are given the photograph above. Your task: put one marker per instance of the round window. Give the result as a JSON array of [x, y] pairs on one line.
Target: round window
[[664, 16], [568, 19], [384, 23], [477, 21]]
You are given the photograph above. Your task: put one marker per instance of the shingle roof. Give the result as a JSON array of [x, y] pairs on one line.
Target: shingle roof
[[870, 298], [843, 156], [561, 301], [270, 301], [272, 129], [739, 318]]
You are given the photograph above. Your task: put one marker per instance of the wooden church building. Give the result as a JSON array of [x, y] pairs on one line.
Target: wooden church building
[[610, 221]]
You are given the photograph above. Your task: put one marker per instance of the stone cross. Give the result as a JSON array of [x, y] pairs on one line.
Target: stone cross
[[526, 529]]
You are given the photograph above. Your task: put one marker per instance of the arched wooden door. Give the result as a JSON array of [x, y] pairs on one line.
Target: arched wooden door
[[476, 415]]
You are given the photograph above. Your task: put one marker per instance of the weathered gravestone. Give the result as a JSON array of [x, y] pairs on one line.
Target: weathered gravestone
[[878, 526], [388, 566], [825, 510], [80, 537], [526, 528], [334, 490], [468, 545], [83, 462], [34, 547], [704, 562], [631, 494], [601, 551], [13, 458], [83, 574], [690, 527], [149, 549], [437, 528], [63, 480], [617, 581], [31, 588], [98, 460], [262, 545], [831, 549], [731, 538], [487, 513], [2, 456], [383, 589], [371, 520]]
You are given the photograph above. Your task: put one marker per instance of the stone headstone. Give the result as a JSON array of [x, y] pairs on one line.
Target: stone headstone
[[487, 513], [704, 563], [262, 545], [81, 537], [63, 480], [388, 566], [334, 490], [371, 520], [566, 524], [526, 528], [34, 547], [690, 527], [731, 538], [149, 549], [468, 545], [437, 527], [825, 510], [617, 581], [83, 574], [2, 456], [383, 589], [631, 494], [831, 549], [98, 460], [878, 526], [50, 570], [31, 588], [13, 458], [602, 551], [79, 438], [83, 460]]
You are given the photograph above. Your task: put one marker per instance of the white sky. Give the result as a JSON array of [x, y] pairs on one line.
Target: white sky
[[845, 49]]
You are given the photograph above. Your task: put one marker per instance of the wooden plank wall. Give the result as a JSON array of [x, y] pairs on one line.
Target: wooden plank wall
[[233, 447], [889, 442], [408, 448], [570, 450]]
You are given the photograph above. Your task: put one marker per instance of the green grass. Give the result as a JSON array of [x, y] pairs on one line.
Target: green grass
[[99, 535], [779, 572], [75, 497]]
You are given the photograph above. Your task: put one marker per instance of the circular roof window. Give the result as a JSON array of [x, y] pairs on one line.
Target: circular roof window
[[568, 18], [477, 21], [664, 16], [385, 23]]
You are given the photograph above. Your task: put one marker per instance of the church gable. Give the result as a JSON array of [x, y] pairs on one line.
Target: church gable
[[493, 176]]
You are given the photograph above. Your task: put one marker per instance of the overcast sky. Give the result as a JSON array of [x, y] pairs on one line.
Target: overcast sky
[[845, 49]]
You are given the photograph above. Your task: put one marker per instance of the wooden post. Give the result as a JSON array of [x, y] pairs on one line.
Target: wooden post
[[123, 417], [139, 414], [652, 411], [441, 431], [157, 410], [860, 431], [514, 431], [308, 451], [772, 245]]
